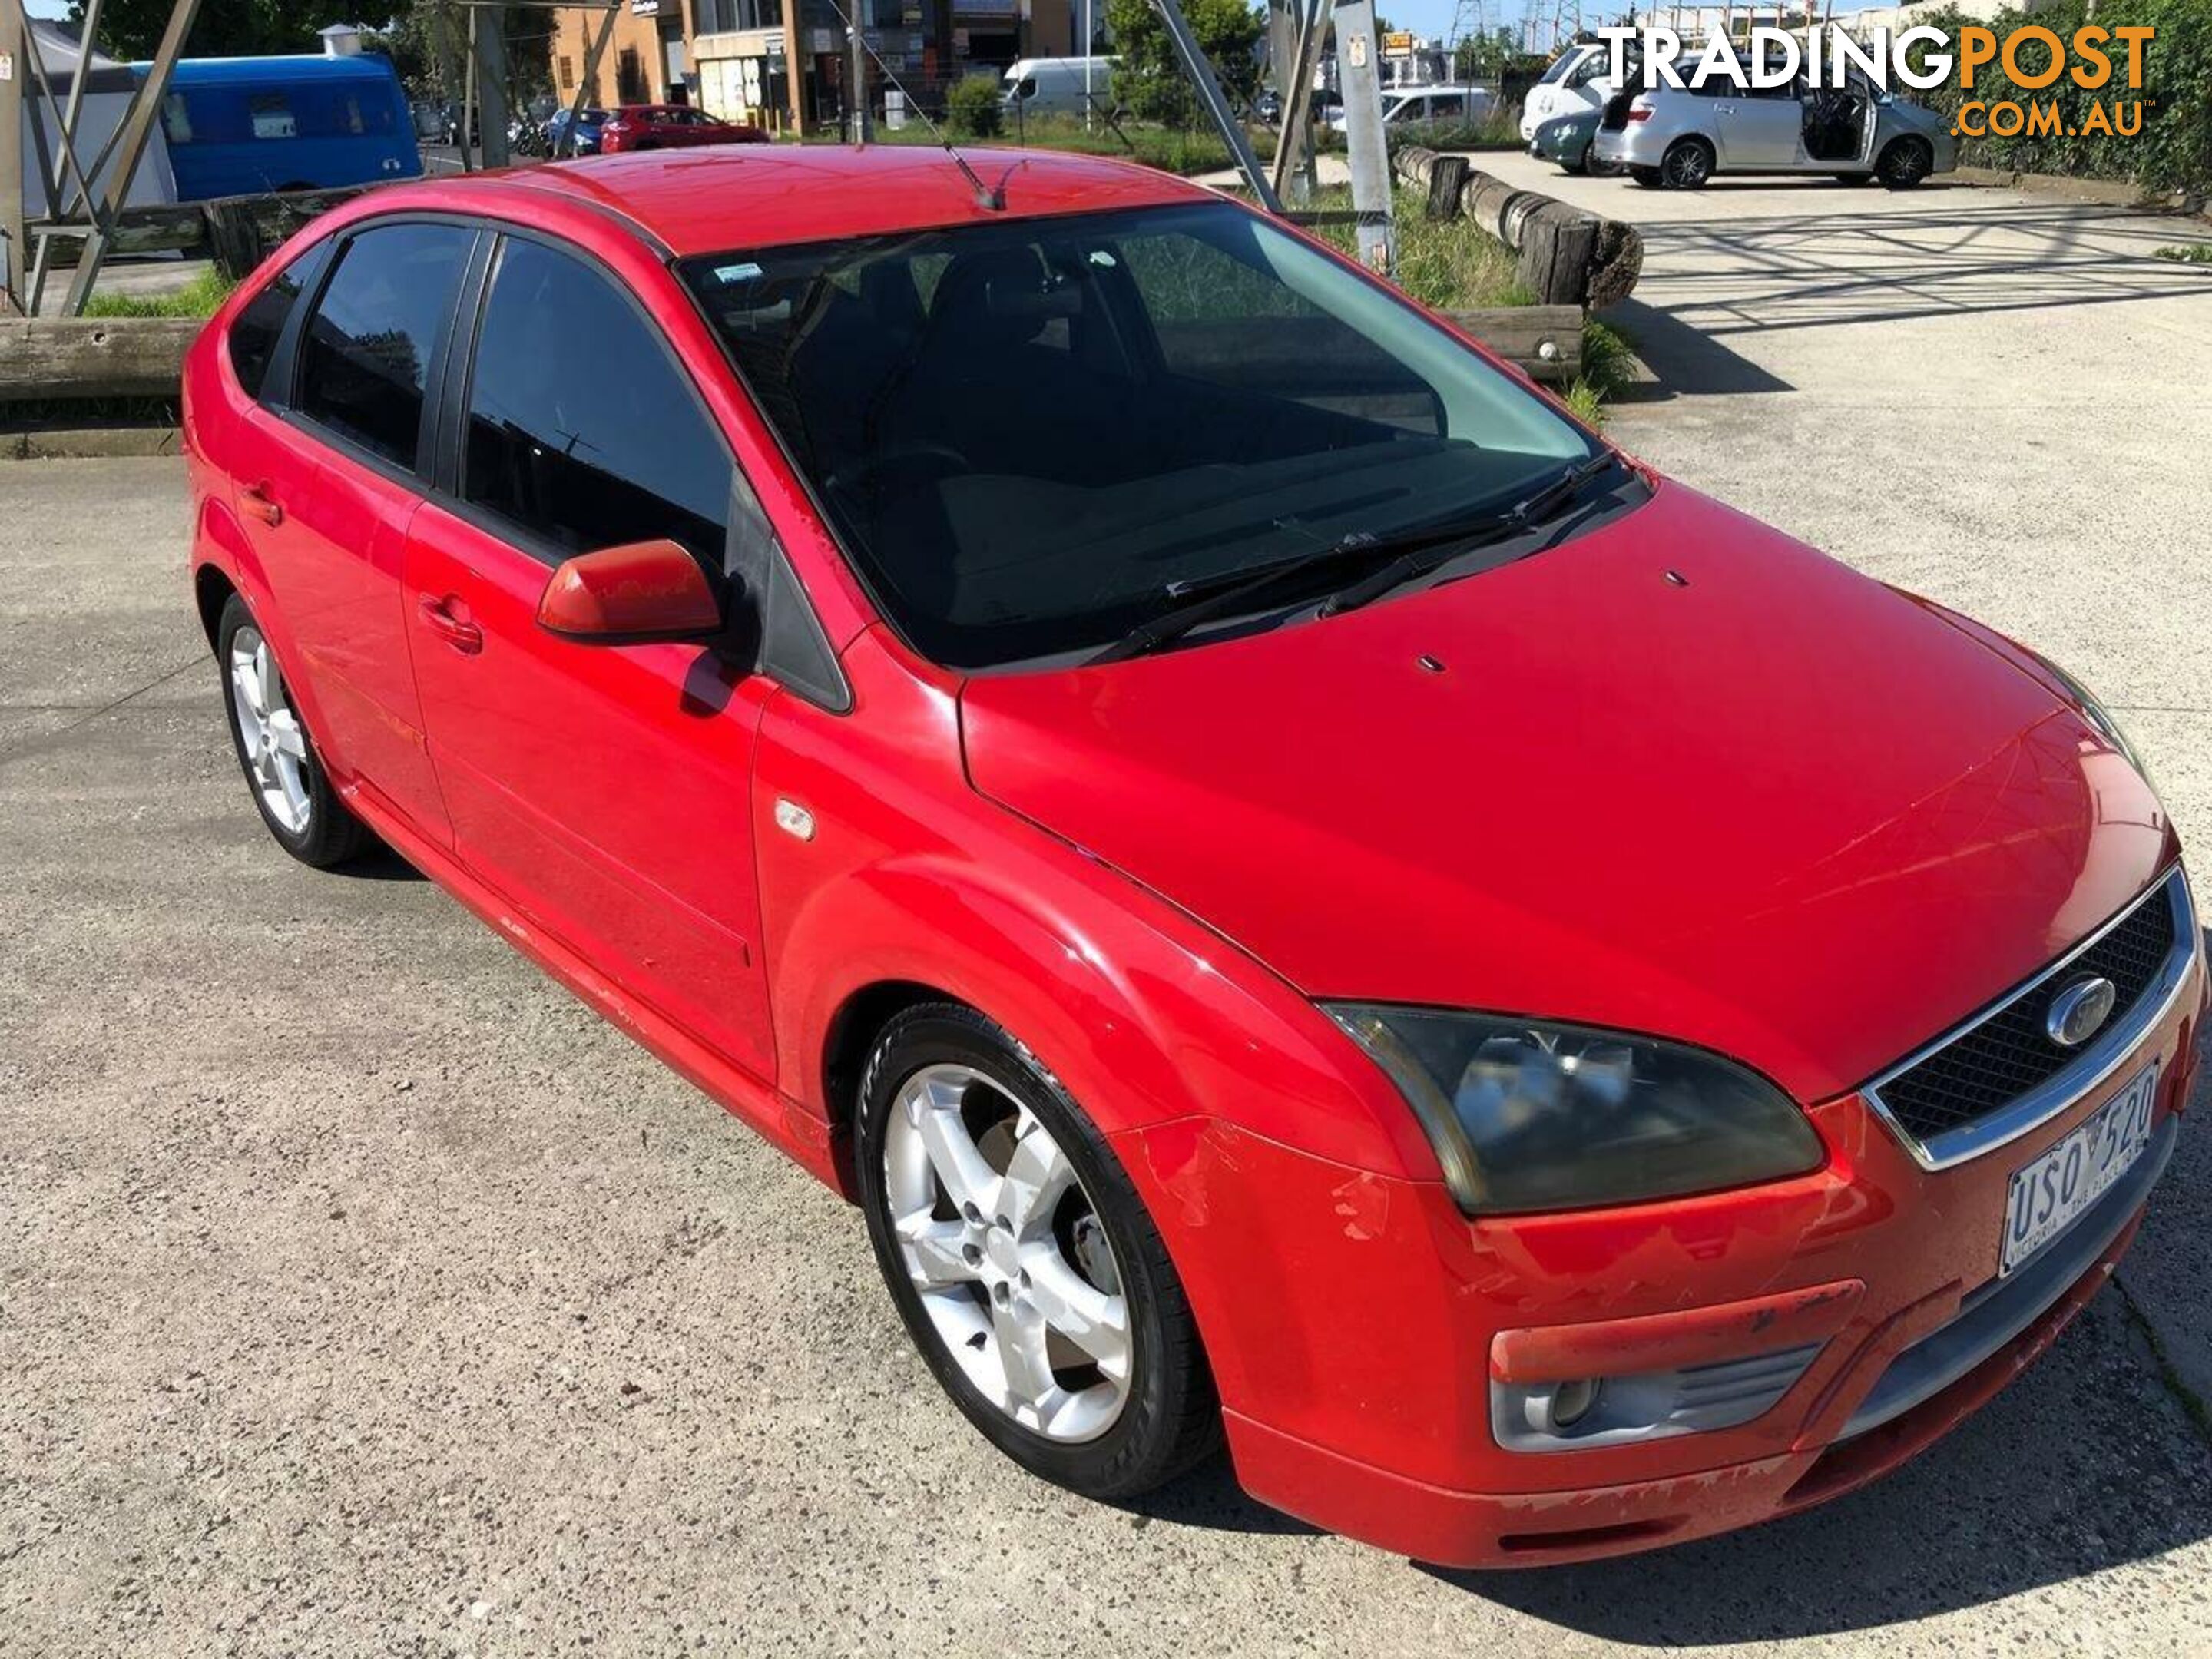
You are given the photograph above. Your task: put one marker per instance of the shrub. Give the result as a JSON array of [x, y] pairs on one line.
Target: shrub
[[2173, 151], [971, 108]]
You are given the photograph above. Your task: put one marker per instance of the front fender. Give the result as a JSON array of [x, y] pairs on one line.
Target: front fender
[[1144, 1015]]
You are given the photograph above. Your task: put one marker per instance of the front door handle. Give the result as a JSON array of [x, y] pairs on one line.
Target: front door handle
[[262, 505], [464, 637]]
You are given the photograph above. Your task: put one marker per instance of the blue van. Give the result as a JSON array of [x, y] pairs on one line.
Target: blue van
[[243, 126]]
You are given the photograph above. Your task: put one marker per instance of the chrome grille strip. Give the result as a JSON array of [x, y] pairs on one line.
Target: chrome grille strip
[[2103, 1056]]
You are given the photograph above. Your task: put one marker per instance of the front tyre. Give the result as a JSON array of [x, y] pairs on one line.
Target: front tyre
[[286, 776], [1905, 162], [1022, 1263]]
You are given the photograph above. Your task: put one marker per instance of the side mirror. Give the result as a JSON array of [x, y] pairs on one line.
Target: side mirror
[[633, 594]]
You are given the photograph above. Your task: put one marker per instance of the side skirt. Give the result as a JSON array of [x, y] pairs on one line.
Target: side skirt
[[783, 1123]]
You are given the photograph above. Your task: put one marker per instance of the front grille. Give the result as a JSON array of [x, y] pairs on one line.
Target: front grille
[[2006, 1056]]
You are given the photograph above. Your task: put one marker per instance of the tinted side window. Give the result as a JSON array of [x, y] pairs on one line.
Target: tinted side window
[[581, 429], [254, 332], [367, 347]]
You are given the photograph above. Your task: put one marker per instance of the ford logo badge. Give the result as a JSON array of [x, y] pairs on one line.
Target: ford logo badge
[[2080, 1010]]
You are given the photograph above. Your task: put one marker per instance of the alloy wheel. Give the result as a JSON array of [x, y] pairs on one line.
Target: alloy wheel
[[1007, 1254], [1688, 166], [269, 730]]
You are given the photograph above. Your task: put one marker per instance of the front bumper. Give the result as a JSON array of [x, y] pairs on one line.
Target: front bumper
[[1358, 1392]]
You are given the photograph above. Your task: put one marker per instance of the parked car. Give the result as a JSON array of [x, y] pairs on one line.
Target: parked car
[[1307, 897], [243, 126], [1413, 107], [670, 126], [1057, 86], [1567, 140], [585, 138], [1577, 81], [1682, 138]]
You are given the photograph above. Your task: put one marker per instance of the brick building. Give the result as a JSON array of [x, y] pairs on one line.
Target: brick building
[[760, 60]]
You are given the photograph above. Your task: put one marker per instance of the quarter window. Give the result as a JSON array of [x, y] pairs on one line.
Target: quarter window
[[365, 354], [583, 432], [254, 333]]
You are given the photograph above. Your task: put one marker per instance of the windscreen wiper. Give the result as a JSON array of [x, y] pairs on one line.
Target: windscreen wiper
[[1221, 597], [1437, 548]]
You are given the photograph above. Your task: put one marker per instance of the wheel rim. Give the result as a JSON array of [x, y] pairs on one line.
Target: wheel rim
[[1686, 166], [1005, 1251], [269, 730], [1905, 164]]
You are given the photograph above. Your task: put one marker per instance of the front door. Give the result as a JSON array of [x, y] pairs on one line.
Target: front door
[[603, 790]]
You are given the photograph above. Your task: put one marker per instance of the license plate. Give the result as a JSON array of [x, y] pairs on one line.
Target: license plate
[[2072, 1176]]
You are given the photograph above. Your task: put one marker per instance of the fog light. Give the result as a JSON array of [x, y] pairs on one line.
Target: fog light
[[1573, 1402]]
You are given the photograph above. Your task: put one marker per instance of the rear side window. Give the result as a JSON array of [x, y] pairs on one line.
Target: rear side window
[[254, 332], [583, 432], [365, 353]]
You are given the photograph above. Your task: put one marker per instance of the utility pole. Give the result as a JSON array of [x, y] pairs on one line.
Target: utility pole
[[857, 128], [1195, 65], [15, 43], [1361, 84], [491, 83]]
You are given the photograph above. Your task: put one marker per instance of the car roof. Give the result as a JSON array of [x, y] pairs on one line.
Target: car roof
[[719, 197]]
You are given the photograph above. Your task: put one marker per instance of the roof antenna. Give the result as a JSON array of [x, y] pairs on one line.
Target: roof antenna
[[992, 200]]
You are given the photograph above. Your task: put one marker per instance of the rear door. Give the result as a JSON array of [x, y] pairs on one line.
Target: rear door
[[332, 484], [603, 790], [1760, 127]]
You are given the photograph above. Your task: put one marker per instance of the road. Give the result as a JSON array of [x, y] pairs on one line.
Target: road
[[360, 1292]]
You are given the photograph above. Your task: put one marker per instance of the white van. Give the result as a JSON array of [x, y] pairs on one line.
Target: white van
[[1055, 85], [1407, 106], [1577, 80]]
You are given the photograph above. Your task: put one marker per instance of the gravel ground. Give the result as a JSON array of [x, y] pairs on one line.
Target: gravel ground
[[361, 1293]]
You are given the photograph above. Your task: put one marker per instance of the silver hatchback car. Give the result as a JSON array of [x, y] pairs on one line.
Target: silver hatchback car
[[1681, 138]]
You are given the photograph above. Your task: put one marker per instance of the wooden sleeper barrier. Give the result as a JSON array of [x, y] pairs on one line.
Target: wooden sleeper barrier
[[1567, 256]]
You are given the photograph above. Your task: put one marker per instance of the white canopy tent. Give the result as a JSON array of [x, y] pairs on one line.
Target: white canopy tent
[[107, 90]]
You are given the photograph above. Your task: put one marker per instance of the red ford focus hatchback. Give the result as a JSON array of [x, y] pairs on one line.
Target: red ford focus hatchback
[[1305, 898]]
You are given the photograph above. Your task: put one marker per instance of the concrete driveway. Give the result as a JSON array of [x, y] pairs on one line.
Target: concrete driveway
[[360, 1292]]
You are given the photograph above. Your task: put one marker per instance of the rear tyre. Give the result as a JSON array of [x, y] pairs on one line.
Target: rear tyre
[[1687, 164], [1649, 177], [1023, 1261], [1905, 162], [289, 787]]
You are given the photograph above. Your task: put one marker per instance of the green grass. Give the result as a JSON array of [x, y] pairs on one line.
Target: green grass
[[1446, 264], [2189, 254], [197, 298]]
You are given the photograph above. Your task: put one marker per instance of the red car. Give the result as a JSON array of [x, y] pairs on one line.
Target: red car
[[1306, 897], [670, 126]]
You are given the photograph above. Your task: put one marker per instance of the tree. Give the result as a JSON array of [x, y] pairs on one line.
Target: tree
[[1150, 82], [131, 29]]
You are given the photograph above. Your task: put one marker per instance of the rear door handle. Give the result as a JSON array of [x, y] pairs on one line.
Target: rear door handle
[[262, 505], [465, 637]]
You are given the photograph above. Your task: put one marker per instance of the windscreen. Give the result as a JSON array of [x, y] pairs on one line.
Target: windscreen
[[1032, 435]]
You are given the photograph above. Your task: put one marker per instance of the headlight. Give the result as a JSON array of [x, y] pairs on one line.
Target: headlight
[[2096, 714], [1528, 1116]]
